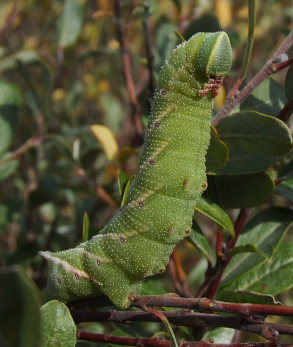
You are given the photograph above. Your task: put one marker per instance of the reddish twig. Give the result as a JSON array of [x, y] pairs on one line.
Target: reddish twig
[[103, 195], [156, 342], [224, 259], [121, 340], [149, 52], [198, 304], [286, 112], [208, 305], [214, 274], [178, 274], [219, 242], [126, 62], [184, 318], [30, 143], [269, 68]]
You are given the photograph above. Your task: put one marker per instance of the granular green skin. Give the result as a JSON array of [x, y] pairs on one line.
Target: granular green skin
[[139, 239]]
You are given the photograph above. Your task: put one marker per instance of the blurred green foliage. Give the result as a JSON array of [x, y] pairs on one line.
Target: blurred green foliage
[[61, 73]]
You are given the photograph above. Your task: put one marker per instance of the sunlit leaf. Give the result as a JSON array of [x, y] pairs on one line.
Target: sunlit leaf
[[106, 139], [58, 327]]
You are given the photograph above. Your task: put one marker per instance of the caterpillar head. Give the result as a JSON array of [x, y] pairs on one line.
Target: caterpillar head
[[209, 55]]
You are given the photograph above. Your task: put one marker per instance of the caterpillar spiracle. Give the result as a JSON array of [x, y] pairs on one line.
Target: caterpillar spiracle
[[138, 241]]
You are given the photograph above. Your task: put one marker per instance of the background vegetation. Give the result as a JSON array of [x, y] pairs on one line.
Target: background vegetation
[[76, 80]]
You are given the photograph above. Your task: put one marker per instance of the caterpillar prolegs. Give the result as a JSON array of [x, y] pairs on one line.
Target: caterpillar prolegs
[[139, 239]]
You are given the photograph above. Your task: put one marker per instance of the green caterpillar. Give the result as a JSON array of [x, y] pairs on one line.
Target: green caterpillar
[[139, 239]]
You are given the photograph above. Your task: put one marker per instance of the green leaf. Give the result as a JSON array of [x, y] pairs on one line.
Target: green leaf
[[10, 99], [240, 190], [269, 97], [126, 191], [7, 169], [177, 3], [287, 171], [251, 297], [124, 184], [70, 22], [122, 179], [201, 243], [289, 83], [58, 328], [153, 287], [85, 227], [220, 335], [218, 153], [285, 190], [166, 41], [24, 57], [256, 141], [19, 310], [205, 23], [5, 135], [9, 94], [113, 111], [216, 213], [246, 270], [249, 248], [273, 277]]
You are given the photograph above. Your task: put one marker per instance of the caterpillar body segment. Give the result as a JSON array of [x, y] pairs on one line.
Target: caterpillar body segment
[[138, 241]]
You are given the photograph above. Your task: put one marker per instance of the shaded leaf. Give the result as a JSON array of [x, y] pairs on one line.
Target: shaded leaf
[[269, 98], [122, 179], [5, 135], [240, 190], [273, 277], [9, 94], [7, 169], [70, 22], [265, 231], [251, 297], [249, 248], [152, 287], [58, 327], [166, 41], [19, 310], [198, 240], [289, 83], [24, 57], [287, 171], [217, 154], [10, 99], [285, 190], [205, 23], [126, 191], [113, 111], [256, 141], [177, 3], [216, 213]]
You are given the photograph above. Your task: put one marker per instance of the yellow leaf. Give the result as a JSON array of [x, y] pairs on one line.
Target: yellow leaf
[[223, 12], [220, 98], [106, 139]]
